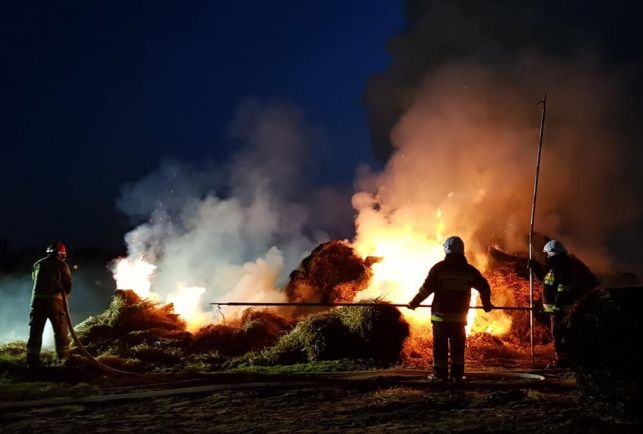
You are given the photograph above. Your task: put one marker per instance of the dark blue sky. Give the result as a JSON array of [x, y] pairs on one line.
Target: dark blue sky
[[96, 95]]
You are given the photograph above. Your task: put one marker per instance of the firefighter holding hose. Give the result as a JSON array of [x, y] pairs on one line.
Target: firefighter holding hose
[[451, 280], [51, 276]]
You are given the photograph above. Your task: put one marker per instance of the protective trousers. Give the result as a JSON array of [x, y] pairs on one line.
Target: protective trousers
[[558, 334], [43, 309], [445, 335]]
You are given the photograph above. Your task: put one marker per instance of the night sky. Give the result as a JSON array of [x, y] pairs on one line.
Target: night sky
[[95, 96]]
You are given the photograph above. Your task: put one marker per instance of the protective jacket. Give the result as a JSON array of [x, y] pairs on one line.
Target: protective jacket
[[50, 275], [558, 296], [451, 281], [557, 283]]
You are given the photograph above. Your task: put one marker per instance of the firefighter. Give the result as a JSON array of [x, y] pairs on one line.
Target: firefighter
[[451, 281], [558, 293], [51, 276]]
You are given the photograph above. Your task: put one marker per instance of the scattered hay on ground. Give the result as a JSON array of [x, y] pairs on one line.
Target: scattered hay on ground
[[483, 347]]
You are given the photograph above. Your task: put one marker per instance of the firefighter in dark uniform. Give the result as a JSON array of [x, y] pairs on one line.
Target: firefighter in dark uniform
[[451, 281], [51, 276], [558, 293]]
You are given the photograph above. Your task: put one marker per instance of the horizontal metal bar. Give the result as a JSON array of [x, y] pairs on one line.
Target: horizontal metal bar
[[241, 303]]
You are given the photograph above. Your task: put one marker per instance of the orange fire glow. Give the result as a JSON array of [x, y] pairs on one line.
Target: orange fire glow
[[407, 255], [138, 275]]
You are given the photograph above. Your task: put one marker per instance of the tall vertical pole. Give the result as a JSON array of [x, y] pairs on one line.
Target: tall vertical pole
[[531, 227]]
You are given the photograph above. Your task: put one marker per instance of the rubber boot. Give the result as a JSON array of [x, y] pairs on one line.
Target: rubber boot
[[440, 375], [457, 373], [33, 361]]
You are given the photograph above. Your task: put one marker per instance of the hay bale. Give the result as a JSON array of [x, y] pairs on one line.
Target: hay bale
[[375, 333], [510, 287], [332, 273], [257, 330], [322, 336], [134, 332], [603, 331], [380, 330], [128, 312]]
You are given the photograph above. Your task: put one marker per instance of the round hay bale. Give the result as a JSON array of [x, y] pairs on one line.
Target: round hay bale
[[373, 332], [603, 331], [379, 331], [321, 336], [331, 273]]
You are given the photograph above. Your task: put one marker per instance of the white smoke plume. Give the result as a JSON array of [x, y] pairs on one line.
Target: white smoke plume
[[88, 297], [236, 229]]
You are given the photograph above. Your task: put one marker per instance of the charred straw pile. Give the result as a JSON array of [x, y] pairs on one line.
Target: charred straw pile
[[510, 272], [134, 333]]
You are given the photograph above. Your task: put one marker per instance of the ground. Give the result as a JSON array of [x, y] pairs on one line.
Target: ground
[[395, 400]]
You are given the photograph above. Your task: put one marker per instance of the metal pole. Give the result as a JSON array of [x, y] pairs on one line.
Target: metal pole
[[531, 227], [364, 304]]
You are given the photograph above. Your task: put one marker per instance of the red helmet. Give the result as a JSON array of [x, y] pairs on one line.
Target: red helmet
[[58, 247]]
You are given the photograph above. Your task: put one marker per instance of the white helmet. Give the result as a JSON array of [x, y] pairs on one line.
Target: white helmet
[[553, 247], [454, 245]]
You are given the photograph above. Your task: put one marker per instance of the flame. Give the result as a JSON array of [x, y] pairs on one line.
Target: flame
[[407, 256], [135, 275], [138, 275], [187, 303]]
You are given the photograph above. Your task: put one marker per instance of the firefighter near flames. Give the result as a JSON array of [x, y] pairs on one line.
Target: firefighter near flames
[[51, 282], [451, 281]]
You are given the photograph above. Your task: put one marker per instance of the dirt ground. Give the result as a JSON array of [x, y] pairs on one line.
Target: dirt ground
[[373, 401]]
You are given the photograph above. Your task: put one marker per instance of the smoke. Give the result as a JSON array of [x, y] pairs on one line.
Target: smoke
[[458, 106], [91, 292], [236, 228], [14, 309]]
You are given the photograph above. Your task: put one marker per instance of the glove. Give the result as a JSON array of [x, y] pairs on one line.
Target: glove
[[487, 307], [532, 263], [411, 306]]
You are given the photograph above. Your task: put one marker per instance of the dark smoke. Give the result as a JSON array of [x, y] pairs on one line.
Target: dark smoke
[[494, 34], [456, 116]]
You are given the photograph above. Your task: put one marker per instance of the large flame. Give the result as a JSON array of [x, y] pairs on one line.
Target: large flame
[[187, 303], [135, 275], [138, 275], [407, 254]]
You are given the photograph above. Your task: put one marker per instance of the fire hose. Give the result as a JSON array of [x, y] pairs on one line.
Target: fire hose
[[83, 351]]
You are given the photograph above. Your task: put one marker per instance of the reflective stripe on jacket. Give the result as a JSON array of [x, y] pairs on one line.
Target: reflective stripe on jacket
[[451, 280]]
